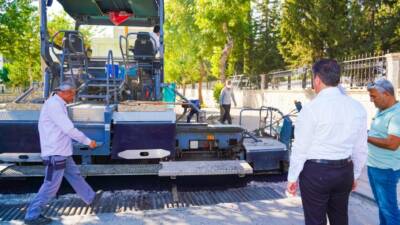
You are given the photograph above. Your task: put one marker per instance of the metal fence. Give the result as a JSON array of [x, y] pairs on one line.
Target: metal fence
[[356, 72]]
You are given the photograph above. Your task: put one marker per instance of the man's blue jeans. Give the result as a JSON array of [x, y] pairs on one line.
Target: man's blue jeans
[[384, 187]]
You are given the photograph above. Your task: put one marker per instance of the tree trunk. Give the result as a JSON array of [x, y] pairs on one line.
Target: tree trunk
[[203, 74], [184, 89], [247, 46], [225, 53], [30, 73]]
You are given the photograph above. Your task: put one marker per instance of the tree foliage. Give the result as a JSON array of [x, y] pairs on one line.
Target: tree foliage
[[311, 29], [16, 20], [19, 35], [20, 40], [215, 39], [265, 36], [4, 75], [205, 36]]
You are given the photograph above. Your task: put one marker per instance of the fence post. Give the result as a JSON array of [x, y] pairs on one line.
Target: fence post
[[393, 70], [289, 82]]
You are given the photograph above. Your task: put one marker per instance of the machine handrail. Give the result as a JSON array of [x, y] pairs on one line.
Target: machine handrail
[[246, 109], [260, 110], [124, 60], [271, 109], [121, 49], [52, 44], [110, 62]]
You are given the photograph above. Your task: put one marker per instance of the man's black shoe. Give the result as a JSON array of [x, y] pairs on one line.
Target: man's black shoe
[[41, 220], [97, 198]]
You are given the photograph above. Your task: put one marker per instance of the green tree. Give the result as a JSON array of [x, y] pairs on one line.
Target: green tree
[[311, 29], [19, 35], [265, 55], [4, 75], [15, 24], [19, 31], [186, 49], [226, 26], [180, 55], [388, 26]]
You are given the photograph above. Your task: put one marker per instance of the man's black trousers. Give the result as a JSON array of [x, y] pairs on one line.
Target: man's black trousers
[[227, 114], [325, 191]]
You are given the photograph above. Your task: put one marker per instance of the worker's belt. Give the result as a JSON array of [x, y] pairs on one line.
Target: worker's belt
[[331, 162], [53, 165]]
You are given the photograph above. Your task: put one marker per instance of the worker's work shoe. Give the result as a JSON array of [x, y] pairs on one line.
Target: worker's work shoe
[[41, 220], [96, 199]]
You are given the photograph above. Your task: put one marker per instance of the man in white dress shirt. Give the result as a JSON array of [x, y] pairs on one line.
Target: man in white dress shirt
[[155, 38], [330, 148], [56, 131]]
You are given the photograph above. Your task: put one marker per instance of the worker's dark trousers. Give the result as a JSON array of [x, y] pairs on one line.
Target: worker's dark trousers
[[325, 190], [191, 114], [227, 114]]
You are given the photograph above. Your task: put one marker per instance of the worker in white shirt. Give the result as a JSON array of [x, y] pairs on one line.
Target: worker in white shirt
[[56, 131], [329, 150], [155, 38], [225, 101]]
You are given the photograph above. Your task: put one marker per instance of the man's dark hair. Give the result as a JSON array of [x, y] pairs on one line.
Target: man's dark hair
[[328, 70], [156, 29]]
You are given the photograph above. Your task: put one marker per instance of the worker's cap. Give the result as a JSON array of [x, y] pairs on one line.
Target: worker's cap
[[381, 85], [65, 86]]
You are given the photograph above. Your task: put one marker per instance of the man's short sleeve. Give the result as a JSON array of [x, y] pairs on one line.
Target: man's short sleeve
[[394, 126]]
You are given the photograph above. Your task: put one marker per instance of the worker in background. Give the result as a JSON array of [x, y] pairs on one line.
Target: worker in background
[[155, 38], [225, 102], [193, 111], [330, 149], [56, 132], [383, 151]]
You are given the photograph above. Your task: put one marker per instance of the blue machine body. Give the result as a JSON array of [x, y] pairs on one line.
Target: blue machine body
[[99, 131], [19, 133], [143, 130], [266, 154], [136, 135]]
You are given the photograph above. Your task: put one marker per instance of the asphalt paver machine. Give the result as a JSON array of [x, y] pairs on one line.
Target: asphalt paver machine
[[121, 104]]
